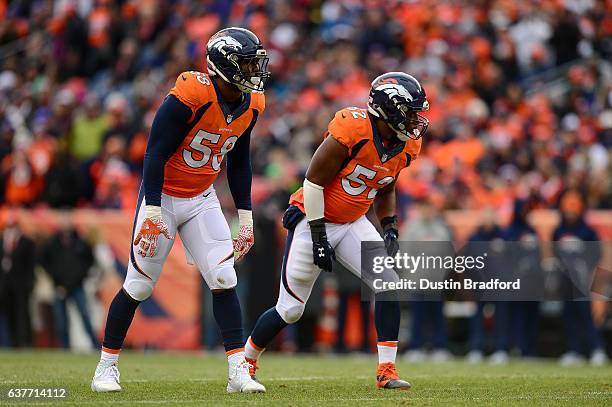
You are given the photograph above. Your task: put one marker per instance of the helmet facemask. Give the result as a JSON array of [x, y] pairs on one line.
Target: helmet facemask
[[405, 122], [411, 125], [252, 71], [249, 72]]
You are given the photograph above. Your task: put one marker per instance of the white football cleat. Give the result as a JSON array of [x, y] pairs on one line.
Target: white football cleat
[[415, 356], [106, 378], [599, 357], [499, 357], [474, 357], [240, 380], [440, 356], [571, 359]]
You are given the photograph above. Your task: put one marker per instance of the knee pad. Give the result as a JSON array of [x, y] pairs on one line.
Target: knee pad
[[301, 268], [222, 278], [290, 314], [139, 289]]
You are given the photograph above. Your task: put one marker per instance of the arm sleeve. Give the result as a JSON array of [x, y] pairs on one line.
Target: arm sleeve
[[167, 133], [239, 171]]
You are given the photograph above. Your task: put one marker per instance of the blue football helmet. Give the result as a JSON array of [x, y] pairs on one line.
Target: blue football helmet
[[238, 57], [396, 97]]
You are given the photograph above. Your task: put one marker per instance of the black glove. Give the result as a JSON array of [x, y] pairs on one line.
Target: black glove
[[292, 216], [390, 234], [322, 252]]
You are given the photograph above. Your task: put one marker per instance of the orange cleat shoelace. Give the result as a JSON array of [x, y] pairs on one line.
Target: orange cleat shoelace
[[253, 368], [386, 371], [387, 378]]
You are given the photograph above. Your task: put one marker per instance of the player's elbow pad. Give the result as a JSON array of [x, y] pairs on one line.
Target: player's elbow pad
[[314, 203]]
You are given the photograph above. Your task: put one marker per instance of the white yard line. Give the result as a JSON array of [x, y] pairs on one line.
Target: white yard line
[[411, 397], [272, 379]]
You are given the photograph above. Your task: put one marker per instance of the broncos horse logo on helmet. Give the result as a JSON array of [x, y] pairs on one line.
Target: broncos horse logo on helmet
[[238, 57], [392, 90], [396, 98], [224, 44]]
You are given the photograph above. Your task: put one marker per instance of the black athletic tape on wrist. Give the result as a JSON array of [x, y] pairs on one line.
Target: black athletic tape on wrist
[[317, 230], [389, 222]]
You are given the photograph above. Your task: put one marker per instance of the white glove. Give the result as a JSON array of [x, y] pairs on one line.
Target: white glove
[[246, 237], [148, 236]]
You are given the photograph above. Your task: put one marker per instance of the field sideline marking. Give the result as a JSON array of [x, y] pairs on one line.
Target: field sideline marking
[[205, 380]]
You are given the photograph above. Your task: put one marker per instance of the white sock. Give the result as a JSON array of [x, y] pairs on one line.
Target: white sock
[[252, 351], [387, 351], [109, 357], [234, 358]]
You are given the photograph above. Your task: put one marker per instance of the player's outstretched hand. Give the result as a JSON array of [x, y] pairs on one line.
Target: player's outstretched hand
[[322, 251], [148, 235], [246, 237]]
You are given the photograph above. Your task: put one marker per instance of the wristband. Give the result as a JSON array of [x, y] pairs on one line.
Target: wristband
[[389, 222], [245, 217], [317, 230], [152, 211]]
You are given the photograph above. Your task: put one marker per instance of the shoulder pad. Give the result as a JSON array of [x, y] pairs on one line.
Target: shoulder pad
[[258, 101], [349, 125], [193, 89]]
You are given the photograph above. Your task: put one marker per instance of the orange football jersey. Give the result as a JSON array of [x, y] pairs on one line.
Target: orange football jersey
[[370, 168], [212, 134]]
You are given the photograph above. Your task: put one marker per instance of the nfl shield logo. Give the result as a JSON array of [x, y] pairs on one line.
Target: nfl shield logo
[[384, 157], [229, 118]]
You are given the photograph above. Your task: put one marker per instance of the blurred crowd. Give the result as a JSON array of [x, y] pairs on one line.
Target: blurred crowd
[[48, 279], [40, 275], [520, 92], [520, 95]]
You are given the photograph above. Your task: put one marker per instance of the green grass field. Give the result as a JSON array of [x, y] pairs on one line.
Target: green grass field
[[199, 379]]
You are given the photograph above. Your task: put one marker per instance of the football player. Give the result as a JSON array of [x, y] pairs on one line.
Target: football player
[[355, 167], [203, 118]]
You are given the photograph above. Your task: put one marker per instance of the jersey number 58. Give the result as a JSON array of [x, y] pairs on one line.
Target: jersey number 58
[[207, 152]]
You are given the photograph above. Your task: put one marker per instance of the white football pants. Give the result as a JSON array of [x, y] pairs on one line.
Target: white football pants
[[205, 235]]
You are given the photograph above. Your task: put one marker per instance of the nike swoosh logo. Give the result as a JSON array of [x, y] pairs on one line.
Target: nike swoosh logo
[[206, 196], [184, 78]]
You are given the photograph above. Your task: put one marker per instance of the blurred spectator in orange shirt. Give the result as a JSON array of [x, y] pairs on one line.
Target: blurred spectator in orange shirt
[[22, 185]]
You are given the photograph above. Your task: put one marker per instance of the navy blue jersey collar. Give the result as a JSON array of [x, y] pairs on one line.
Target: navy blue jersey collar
[[228, 113], [385, 154]]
